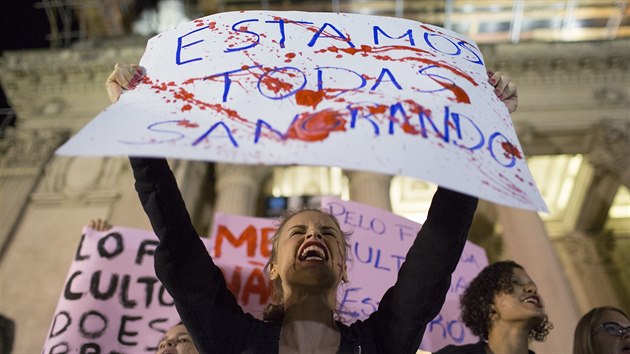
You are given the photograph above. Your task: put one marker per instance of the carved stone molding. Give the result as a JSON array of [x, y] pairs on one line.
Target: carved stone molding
[[26, 151], [583, 251], [79, 179], [609, 152], [578, 62], [56, 85]]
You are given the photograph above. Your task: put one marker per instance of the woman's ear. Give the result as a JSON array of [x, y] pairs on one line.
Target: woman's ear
[[493, 314], [273, 271], [344, 276]]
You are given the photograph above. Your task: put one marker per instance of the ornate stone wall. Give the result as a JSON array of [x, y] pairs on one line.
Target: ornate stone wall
[[567, 90]]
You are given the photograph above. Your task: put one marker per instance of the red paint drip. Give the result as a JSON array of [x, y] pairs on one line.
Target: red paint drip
[[511, 150], [316, 126], [187, 124], [309, 97]]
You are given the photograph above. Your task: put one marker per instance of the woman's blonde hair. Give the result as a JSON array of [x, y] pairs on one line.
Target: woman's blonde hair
[[582, 339]]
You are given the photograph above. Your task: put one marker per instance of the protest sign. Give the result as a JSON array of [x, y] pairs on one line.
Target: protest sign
[[259, 87], [112, 301], [241, 246], [378, 246]]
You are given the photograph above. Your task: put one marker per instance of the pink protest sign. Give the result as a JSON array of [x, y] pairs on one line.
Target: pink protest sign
[[241, 247], [112, 301], [378, 246], [320, 89]]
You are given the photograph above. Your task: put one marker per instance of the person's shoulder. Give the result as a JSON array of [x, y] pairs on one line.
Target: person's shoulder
[[476, 348]]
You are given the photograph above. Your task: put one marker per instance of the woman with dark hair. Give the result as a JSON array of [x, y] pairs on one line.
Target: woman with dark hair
[[307, 265], [502, 306], [603, 330]]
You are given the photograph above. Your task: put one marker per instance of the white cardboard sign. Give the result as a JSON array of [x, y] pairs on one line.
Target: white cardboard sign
[[361, 92]]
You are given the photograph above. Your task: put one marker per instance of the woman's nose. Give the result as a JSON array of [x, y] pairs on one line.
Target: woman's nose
[[314, 234], [167, 344], [531, 288]]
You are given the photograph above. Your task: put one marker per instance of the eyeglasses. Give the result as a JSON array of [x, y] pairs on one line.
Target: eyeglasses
[[614, 329]]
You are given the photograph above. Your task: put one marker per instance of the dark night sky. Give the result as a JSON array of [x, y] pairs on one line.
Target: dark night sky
[[22, 26]]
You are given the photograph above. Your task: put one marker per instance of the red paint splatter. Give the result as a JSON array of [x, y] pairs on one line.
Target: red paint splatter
[[212, 25], [289, 57], [427, 28], [366, 49], [184, 95], [187, 124], [275, 84], [186, 108], [380, 109], [316, 126], [315, 29], [309, 97], [460, 95], [159, 87], [511, 150]]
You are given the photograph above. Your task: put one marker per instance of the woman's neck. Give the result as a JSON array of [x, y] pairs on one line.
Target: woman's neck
[[309, 327], [309, 308], [508, 339], [310, 297]]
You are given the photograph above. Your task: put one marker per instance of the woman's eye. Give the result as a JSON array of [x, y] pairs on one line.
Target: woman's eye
[[183, 340]]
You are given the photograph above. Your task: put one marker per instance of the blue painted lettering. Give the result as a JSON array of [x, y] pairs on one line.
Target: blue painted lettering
[[244, 29], [392, 79], [180, 46], [326, 35], [377, 30], [212, 128]]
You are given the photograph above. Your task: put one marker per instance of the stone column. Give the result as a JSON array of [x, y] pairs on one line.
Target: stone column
[[23, 155], [590, 278], [609, 151], [238, 187], [370, 188], [526, 242]]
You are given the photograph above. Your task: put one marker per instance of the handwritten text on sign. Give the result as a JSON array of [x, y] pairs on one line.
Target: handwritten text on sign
[[320, 89], [112, 301]]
